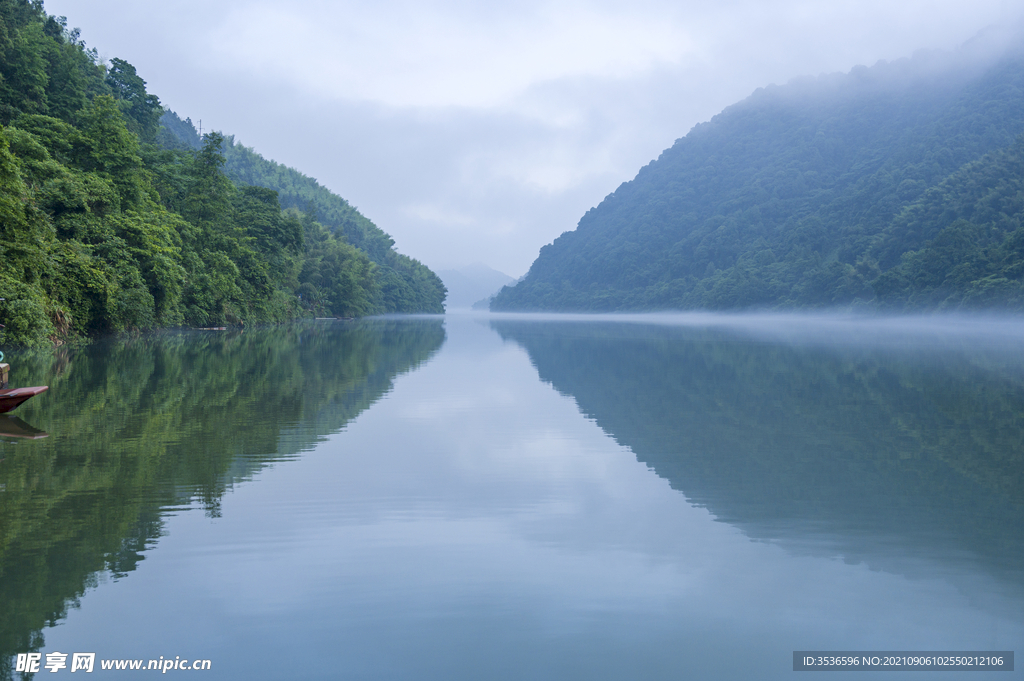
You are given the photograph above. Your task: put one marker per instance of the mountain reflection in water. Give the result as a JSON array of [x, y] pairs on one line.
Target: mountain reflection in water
[[474, 524], [147, 425], [882, 445]]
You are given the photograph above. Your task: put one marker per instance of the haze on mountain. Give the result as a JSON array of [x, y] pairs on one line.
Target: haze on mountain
[[471, 286], [898, 186], [481, 131]]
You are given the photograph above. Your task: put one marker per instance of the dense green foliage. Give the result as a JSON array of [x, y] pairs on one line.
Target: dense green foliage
[[144, 424], [915, 445], [962, 243], [102, 230], [406, 285], [833, 191]]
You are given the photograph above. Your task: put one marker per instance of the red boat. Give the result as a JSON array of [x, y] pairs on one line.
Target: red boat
[[13, 397]]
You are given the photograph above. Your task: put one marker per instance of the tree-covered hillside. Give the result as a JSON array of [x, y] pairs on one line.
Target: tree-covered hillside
[[103, 230], [896, 187], [406, 284]]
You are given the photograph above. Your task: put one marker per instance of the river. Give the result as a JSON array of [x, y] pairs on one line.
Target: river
[[518, 497]]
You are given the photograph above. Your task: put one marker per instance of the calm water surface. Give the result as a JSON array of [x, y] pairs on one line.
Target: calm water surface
[[477, 497]]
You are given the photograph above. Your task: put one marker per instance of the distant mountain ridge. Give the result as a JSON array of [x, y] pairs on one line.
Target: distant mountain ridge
[[472, 284], [875, 188]]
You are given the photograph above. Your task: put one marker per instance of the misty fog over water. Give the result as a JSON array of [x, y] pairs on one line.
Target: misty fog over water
[[506, 496]]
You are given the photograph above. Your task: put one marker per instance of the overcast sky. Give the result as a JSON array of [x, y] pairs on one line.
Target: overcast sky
[[478, 132]]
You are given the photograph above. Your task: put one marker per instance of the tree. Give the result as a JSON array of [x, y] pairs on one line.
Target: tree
[[142, 110]]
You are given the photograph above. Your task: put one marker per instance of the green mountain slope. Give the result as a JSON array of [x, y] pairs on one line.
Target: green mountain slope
[[406, 284], [103, 229], [961, 244], [822, 192]]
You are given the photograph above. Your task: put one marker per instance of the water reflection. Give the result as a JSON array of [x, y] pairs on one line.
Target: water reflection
[[144, 426], [13, 427], [886, 446], [474, 525]]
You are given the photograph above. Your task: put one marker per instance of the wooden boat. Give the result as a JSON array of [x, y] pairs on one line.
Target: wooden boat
[[11, 398]]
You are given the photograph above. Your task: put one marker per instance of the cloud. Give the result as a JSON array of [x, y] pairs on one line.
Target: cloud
[[437, 54]]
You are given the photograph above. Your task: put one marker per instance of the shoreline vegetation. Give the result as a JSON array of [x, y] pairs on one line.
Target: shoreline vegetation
[[112, 222]]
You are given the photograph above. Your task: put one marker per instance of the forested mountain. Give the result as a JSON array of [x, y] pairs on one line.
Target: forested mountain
[[406, 284], [103, 230], [892, 187]]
